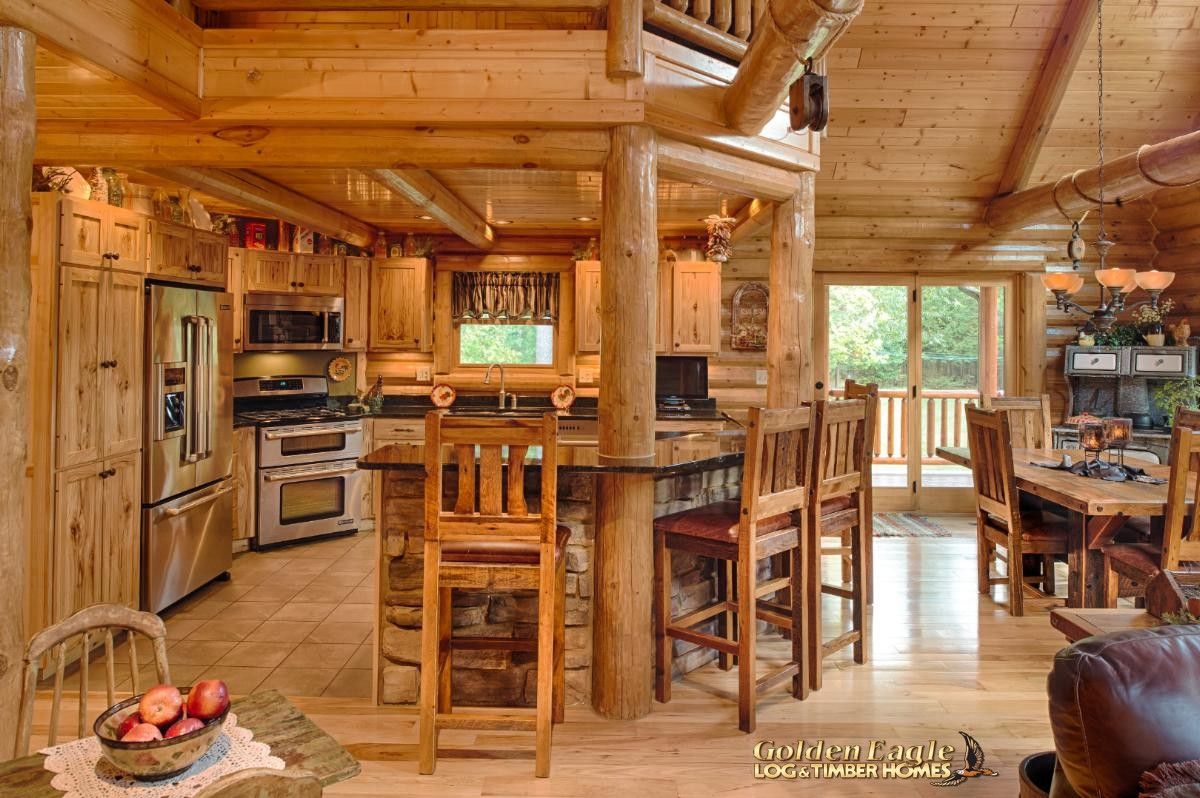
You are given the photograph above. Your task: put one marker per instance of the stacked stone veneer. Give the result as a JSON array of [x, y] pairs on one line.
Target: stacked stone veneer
[[509, 678]]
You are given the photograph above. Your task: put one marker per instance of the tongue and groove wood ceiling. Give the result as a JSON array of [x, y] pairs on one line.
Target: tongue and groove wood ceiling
[[928, 100]]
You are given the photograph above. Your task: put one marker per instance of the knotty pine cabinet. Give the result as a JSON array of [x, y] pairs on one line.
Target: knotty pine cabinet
[[186, 254], [271, 272], [689, 308], [357, 321], [245, 484], [401, 304], [99, 235], [323, 275]]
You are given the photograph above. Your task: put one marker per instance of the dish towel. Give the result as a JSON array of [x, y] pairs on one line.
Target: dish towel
[[81, 772]]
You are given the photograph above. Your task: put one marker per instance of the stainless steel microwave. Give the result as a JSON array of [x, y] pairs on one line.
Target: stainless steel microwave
[[284, 321]]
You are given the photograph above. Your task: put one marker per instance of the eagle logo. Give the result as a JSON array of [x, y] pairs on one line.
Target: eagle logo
[[975, 765]]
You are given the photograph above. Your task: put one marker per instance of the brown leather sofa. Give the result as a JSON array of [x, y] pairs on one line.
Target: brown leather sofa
[[1122, 704]]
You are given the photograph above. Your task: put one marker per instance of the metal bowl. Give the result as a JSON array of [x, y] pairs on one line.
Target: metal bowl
[[153, 759]]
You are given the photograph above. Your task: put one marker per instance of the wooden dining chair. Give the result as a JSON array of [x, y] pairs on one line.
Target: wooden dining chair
[[840, 472], [90, 626], [1000, 521], [1029, 420], [493, 538], [870, 392], [1179, 549], [264, 783], [768, 521]]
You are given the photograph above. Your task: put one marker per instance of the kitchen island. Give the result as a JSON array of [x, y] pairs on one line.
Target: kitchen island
[[689, 470]]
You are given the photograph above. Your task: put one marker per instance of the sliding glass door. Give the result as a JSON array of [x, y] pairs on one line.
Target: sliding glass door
[[933, 345]]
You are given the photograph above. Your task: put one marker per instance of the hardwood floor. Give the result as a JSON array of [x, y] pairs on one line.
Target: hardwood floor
[[942, 658]]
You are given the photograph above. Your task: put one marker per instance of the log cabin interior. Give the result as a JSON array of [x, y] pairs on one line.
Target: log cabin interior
[[549, 397]]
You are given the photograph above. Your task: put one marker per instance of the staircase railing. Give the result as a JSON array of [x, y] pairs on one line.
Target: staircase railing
[[722, 26]]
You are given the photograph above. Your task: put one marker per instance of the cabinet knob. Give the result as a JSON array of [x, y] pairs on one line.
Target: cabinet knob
[[301, 285], [293, 283], [115, 255], [820, 386]]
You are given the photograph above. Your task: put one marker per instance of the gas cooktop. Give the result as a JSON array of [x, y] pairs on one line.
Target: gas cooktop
[[293, 415]]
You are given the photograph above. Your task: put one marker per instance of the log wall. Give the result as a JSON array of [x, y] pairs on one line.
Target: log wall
[[1177, 224]]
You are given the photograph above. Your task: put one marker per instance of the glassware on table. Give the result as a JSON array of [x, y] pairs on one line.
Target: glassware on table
[[1118, 432]]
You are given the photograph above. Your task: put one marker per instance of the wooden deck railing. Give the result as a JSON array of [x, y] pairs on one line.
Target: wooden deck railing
[[722, 26], [944, 422]]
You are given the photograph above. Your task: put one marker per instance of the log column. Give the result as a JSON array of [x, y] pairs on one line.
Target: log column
[[17, 120], [622, 628], [789, 321]]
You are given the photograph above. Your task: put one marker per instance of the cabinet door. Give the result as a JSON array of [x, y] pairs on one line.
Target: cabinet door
[[78, 542], [696, 307], [587, 306], [400, 303], [245, 503], [320, 274], [662, 327], [121, 398], [126, 240], [209, 257], [120, 525], [358, 294], [270, 272], [78, 428], [81, 241], [170, 250], [234, 287], [367, 481]]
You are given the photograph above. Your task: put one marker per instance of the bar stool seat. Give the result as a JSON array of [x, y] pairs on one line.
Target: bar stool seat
[[719, 522], [507, 552]]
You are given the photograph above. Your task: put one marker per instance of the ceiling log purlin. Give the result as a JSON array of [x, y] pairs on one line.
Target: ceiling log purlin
[[255, 193], [1077, 22], [405, 5], [428, 193]]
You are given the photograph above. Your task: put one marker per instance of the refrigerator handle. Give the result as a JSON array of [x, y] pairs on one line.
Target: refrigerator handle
[[207, 366], [191, 452]]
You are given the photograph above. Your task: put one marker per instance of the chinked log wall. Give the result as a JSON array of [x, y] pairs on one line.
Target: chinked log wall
[[1177, 224]]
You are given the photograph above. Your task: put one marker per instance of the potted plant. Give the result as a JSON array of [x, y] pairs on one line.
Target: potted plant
[[1150, 321], [1170, 395], [1118, 335]]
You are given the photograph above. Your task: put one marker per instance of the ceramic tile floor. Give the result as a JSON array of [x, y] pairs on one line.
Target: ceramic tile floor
[[297, 619]]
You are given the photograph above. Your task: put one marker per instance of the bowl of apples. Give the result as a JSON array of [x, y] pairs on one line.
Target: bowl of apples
[[162, 732]]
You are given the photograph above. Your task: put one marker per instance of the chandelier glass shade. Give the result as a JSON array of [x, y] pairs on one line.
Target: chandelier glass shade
[[1119, 284]]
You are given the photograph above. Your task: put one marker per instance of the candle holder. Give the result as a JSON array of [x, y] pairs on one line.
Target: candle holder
[[1092, 439], [1118, 432]]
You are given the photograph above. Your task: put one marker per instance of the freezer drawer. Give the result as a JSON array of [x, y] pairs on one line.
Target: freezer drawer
[[186, 543]]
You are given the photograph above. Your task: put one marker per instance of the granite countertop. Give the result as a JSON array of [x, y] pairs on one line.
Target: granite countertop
[[584, 407], [1153, 432], [674, 454]]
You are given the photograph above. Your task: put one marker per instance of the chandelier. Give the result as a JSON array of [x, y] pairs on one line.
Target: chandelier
[[1115, 284]]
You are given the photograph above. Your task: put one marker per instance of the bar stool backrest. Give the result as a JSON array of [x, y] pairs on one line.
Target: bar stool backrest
[[1028, 419], [779, 446], [491, 498], [841, 463], [992, 466], [1181, 536]]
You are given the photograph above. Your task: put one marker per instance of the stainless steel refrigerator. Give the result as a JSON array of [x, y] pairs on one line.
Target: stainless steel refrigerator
[[187, 515]]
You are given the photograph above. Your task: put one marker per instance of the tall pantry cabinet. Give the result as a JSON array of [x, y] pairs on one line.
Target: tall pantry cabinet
[[84, 476]]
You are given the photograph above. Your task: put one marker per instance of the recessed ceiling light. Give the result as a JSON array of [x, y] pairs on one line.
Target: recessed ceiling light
[[585, 218], [425, 217], [501, 221]]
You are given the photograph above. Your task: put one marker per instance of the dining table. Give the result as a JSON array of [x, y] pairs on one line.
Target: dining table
[[291, 735], [1095, 509]]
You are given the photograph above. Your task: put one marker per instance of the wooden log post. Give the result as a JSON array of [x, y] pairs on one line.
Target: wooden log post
[[622, 631], [624, 57], [789, 321], [787, 34], [17, 121], [989, 340]]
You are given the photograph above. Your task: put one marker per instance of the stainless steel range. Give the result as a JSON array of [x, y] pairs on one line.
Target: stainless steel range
[[308, 482]]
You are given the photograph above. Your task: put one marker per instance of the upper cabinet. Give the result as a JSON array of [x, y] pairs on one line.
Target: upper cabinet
[[266, 271], [186, 254], [689, 308], [289, 273], [319, 274], [95, 234], [401, 303], [358, 306]]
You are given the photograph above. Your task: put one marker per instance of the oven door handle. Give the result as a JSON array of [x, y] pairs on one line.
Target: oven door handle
[[192, 505], [276, 436], [293, 475]]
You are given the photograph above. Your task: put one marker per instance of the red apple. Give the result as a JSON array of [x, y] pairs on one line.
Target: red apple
[[161, 705], [207, 699], [131, 720], [184, 726], [141, 733]]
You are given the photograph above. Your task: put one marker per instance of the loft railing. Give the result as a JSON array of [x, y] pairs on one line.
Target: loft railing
[[943, 413], [722, 26]]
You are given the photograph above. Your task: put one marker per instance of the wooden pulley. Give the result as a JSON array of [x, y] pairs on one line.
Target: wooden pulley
[[809, 101]]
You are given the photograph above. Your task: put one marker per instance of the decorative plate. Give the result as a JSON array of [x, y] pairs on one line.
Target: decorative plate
[[563, 397], [442, 395], [340, 369]]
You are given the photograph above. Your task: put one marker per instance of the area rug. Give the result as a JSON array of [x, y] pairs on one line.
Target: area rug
[[908, 525]]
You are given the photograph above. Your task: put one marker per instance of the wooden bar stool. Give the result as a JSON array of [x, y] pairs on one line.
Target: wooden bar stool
[[490, 541], [870, 392], [769, 520], [841, 470]]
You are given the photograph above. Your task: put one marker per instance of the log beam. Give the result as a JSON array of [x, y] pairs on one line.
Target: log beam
[[788, 33], [790, 316], [751, 219], [400, 5], [1073, 31], [1174, 162], [675, 22], [679, 160], [624, 57], [18, 115], [147, 45], [428, 193], [258, 194], [621, 665]]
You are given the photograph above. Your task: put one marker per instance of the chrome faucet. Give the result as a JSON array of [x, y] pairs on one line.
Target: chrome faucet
[[487, 380]]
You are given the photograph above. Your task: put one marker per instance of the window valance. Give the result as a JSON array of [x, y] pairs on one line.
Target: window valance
[[513, 297]]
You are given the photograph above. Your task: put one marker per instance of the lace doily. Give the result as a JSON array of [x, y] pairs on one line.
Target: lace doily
[[81, 772]]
